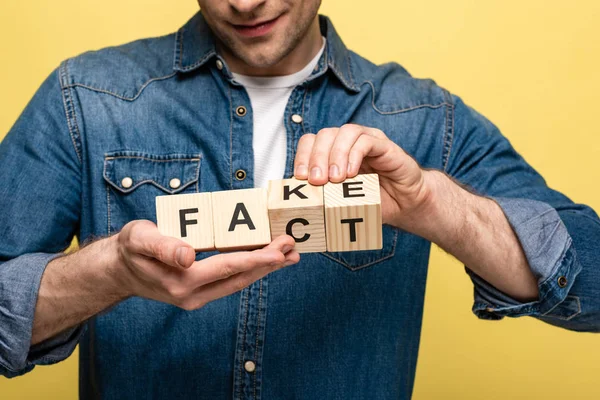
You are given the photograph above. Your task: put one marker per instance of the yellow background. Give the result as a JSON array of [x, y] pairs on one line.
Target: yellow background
[[531, 66]]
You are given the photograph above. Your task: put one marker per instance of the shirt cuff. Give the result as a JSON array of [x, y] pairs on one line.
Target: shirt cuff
[[19, 286], [551, 256]]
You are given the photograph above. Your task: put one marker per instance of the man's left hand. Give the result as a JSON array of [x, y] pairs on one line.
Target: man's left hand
[[424, 202], [335, 154]]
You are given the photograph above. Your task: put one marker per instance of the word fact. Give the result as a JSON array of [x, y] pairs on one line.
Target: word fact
[[342, 216]]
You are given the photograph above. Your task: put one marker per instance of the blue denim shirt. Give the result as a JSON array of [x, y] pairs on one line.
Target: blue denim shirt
[[336, 326]]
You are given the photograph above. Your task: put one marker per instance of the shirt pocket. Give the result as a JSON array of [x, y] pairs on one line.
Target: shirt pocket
[[134, 179], [355, 260]]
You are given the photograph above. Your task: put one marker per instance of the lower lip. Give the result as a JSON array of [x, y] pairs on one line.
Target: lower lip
[[257, 30]]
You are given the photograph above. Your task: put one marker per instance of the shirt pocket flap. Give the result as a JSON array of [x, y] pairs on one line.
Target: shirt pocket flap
[[125, 171]]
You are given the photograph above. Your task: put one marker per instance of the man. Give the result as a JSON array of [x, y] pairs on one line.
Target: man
[[111, 130]]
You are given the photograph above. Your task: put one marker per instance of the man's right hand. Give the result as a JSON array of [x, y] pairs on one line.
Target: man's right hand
[[162, 268], [139, 261]]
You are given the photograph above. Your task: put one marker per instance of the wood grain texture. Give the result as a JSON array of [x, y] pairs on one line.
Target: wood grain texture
[[191, 213], [353, 214], [241, 219], [296, 209]]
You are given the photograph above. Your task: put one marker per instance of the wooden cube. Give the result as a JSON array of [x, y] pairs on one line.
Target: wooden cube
[[353, 214], [296, 209], [241, 219], [187, 217]]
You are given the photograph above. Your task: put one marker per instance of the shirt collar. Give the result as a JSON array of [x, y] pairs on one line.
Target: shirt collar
[[195, 45]]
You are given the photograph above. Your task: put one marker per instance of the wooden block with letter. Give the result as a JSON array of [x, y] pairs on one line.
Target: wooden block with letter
[[187, 217], [353, 214], [296, 209], [241, 219]]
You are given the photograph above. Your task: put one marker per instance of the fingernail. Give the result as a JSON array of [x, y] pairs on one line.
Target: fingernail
[[286, 248], [181, 256], [334, 171], [349, 169], [301, 170], [315, 173]]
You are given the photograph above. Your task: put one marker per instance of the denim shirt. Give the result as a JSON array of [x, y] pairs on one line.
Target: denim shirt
[[335, 326]]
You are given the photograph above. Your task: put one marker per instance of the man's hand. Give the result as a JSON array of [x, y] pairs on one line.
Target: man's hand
[[139, 261], [163, 268], [335, 154], [425, 202]]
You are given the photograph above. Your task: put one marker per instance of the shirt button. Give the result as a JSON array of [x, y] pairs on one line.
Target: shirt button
[[219, 65], [250, 366], [175, 183], [240, 174], [240, 111], [296, 119], [127, 182], [562, 281]]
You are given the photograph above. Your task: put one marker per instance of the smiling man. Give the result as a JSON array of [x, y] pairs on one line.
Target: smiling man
[[245, 92]]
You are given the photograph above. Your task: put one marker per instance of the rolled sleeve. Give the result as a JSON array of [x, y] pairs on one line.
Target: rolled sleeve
[[559, 237], [551, 256], [19, 284]]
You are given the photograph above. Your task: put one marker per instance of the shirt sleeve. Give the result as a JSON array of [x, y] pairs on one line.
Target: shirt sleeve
[[559, 237], [40, 191]]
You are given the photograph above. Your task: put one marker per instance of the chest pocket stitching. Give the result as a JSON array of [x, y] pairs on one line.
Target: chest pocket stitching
[[370, 263], [148, 164]]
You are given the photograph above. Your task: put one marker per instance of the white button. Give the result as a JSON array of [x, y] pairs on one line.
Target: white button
[[175, 183], [127, 182], [219, 65], [249, 366], [297, 119]]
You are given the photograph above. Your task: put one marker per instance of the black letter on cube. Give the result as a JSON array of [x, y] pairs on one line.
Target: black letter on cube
[[183, 222], [352, 222], [240, 208]]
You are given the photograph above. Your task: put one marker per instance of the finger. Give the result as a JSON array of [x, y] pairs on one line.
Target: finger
[[154, 272], [377, 133], [143, 237], [159, 281], [366, 146], [338, 157], [236, 283], [283, 243], [305, 145], [291, 258], [385, 157], [222, 266], [318, 165]]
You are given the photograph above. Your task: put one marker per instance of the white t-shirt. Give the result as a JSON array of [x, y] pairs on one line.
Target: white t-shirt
[[269, 97]]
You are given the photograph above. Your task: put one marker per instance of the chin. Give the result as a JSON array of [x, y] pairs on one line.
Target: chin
[[260, 59], [261, 62]]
